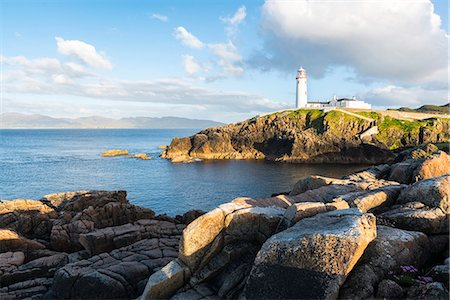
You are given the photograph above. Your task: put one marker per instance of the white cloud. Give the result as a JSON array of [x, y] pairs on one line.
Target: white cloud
[[159, 17], [401, 41], [228, 58], [190, 65], [84, 52], [48, 76], [235, 20], [187, 38], [62, 79]]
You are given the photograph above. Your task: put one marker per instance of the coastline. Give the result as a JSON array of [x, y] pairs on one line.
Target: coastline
[[65, 240]]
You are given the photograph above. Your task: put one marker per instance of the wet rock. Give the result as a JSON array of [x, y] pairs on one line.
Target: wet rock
[[292, 261]]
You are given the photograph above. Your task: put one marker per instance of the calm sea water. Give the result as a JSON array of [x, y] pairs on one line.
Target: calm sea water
[[34, 163]]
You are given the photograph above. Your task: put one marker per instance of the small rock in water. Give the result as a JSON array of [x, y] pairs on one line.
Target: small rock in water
[[162, 147], [114, 152], [141, 156]]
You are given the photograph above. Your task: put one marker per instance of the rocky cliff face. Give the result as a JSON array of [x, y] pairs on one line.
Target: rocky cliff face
[[311, 136]]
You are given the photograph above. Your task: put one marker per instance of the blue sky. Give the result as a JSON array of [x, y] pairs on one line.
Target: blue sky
[[222, 60]]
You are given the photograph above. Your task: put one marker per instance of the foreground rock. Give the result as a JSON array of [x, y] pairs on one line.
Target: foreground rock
[[391, 249], [317, 252], [423, 206], [419, 164], [121, 274], [49, 247]]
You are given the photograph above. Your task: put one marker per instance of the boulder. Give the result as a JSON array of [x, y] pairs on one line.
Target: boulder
[[75, 202], [432, 192], [389, 289], [314, 182], [43, 267], [391, 249], [240, 219], [379, 198], [9, 261], [302, 210], [372, 174], [27, 217], [109, 238], [432, 291], [36, 288], [66, 237], [163, 284], [437, 166], [12, 241], [420, 165], [416, 216], [316, 252], [120, 274], [324, 194], [23, 206], [441, 273]]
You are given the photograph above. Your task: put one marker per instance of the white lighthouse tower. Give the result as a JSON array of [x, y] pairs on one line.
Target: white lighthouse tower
[[301, 100]]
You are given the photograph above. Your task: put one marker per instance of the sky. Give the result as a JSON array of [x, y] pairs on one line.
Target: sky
[[219, 60]]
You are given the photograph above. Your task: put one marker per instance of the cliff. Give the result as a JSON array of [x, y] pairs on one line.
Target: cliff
[[310, 136]]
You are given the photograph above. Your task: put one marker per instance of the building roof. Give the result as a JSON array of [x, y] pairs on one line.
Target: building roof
[[318, 102], [347, 99]]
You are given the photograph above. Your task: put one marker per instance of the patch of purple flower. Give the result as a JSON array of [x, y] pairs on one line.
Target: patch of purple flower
[[424, 280], [409, 269]]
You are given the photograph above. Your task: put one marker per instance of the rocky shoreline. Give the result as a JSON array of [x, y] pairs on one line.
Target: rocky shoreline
[[311, 136], [379, 233]]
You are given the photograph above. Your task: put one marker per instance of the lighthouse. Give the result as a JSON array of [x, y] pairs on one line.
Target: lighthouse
[[301, 100]]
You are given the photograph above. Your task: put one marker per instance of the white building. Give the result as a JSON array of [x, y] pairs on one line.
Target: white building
[[301, 100]]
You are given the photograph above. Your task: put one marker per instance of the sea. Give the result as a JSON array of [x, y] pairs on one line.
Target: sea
[[37, 162]]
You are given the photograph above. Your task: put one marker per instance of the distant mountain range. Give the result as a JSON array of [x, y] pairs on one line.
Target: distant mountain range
[[18, 120]]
